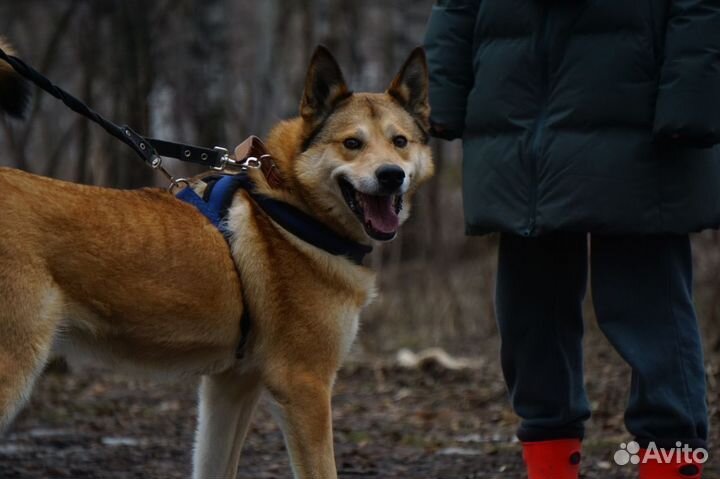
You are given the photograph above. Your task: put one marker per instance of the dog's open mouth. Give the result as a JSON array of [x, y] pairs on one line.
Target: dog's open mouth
[[379, 214]]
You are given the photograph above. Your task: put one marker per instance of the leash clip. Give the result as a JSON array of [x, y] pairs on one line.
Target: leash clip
[[225, 159], [156, 164], [251, 163], [175, 183]]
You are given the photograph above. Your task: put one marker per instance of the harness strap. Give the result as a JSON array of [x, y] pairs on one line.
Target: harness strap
[[311, 230], [219, 195]]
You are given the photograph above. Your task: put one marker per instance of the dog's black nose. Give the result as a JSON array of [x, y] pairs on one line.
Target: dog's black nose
[[390, 177]]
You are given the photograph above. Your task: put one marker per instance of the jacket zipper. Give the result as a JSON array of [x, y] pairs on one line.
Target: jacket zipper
[[536, 135]]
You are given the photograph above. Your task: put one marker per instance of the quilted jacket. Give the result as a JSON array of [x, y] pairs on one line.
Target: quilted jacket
[[581, 115]]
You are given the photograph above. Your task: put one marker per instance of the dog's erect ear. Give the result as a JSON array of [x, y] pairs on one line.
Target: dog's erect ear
[[14, 90], [410, 87], [325, 87]]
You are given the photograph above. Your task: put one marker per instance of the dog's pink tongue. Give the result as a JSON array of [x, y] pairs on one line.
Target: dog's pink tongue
[[380, 213]]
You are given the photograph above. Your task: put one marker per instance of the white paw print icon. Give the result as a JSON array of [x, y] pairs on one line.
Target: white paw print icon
[[628, 454]]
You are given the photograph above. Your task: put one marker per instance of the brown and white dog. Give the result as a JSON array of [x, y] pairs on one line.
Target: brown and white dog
[[140, 280]]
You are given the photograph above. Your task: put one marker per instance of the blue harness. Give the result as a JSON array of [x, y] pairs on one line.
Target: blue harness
[[216, 201], [219, 195]]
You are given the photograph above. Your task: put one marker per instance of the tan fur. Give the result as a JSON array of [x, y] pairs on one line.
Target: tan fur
[[143, 281]]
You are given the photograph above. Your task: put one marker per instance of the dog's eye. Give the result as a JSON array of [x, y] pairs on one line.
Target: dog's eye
[[352, 144], [400, 141]]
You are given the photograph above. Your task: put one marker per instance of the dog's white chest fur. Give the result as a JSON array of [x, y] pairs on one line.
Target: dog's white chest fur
[[341, 308], [350, 324]]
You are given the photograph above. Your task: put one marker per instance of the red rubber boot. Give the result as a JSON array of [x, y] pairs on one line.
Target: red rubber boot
[[653, 469], [559, 459]]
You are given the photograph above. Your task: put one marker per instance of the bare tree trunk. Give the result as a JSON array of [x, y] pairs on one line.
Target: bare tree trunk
[[49, 57], [134, 75], [268, 13], [88, 56]]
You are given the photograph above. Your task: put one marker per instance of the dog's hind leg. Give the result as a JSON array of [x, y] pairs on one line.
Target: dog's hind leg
[[227, 401], [30, 310]]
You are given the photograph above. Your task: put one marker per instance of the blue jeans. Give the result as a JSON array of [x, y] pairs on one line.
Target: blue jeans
[[642, 293]]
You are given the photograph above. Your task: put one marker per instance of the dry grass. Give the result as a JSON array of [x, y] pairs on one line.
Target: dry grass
[[449, 303]]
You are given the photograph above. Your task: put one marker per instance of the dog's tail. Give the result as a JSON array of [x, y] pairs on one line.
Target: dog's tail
[[14, 90]]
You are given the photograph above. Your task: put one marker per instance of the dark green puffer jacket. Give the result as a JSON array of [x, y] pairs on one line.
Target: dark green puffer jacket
[[581, 115]]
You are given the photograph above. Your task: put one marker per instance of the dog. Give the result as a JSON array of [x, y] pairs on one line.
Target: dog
[[139, 280]]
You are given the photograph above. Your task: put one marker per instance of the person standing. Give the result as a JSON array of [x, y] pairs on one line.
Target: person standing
[[599, 119]]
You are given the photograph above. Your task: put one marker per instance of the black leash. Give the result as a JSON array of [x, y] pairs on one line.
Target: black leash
[[149, 149]]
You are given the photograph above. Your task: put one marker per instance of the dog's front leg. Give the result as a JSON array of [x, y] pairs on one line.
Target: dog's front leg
[[227, 401], [302, 408]]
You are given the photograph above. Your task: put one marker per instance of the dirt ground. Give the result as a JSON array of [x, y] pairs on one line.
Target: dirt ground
[[390, 422]]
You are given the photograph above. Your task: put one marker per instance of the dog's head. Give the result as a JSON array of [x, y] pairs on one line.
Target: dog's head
[[363, 154]]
